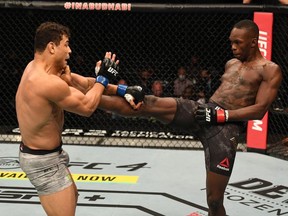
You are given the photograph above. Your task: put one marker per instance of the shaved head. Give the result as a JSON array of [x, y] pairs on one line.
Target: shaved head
[[250, 26]]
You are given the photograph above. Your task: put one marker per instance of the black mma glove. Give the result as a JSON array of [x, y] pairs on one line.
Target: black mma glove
[[107, 72], [209, 115], [134, 93]]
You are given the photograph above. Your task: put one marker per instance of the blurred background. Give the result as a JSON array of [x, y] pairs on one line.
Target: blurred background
[[175, 51]]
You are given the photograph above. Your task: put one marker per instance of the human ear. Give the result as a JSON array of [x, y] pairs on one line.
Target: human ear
[[254, 42], [51, 47]]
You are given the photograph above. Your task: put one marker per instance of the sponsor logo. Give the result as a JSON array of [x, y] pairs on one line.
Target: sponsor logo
[[208, 114], [97, 6], [128, 200], [260, 195], [257, 125], [112, 71], [195, 214], [224, 164], [105, 178], [120, 133], [9, 163], [79, 177], [263, 43]]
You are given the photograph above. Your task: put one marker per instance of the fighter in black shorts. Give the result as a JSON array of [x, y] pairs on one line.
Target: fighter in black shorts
[[218, 158], [248, 87]]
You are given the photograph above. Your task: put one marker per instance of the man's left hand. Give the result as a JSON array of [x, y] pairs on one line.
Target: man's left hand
[[134, 95], [66, 75]]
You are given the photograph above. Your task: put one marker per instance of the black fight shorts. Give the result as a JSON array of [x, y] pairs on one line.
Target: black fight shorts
[[219, 141]]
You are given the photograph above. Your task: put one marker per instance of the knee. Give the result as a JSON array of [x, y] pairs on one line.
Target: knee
[[215, 203]]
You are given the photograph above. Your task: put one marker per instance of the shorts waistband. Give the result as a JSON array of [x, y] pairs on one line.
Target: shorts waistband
[[26, 149], [214, 103]]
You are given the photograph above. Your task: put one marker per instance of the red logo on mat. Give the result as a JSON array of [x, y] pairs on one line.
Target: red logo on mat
[[193, 214], [225, 163]]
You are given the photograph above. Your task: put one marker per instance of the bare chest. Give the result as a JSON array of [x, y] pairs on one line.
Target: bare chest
[[242, 76]]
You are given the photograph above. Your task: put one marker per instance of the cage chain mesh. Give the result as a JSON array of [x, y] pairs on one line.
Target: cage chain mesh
[[157, 44]]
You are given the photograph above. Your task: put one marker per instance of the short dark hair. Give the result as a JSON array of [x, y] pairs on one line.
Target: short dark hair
[[47, 32], [249, 25]]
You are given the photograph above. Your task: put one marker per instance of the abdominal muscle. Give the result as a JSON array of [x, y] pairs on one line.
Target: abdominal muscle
[[234, 97], [47, 137], [41, 130]]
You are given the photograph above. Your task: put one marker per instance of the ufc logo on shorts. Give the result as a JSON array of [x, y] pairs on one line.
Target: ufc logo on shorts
[[208, 115], [112, 71]]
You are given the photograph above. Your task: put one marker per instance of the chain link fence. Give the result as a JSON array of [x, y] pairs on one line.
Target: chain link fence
[[152, 46]]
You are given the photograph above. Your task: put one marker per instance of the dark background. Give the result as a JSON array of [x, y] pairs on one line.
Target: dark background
[[159, 41]]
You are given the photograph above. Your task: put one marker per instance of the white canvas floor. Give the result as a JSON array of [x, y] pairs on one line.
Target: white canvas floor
[[119, 181]]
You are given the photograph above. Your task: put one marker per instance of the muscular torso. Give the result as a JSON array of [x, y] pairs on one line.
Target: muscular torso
[[40, 121], [240, 83], [247, 90]]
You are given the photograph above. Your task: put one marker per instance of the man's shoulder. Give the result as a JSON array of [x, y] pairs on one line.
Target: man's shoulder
[[271, 63], [44, 79], [46, 85], [271, 70], [231, 62], [270, 66]]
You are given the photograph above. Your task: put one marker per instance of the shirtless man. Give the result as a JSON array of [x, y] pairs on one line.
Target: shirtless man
[[248, 87], [46, 89]]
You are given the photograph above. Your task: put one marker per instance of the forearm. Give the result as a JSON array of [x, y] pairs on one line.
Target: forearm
[[111, 89], [83, 84], [253, 112], [216, 115], [117, 105]]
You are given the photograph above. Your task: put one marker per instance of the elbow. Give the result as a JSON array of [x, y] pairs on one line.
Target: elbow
[[88, 112], [87, 115], [261, 111], [260, 115], [257, 117]]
